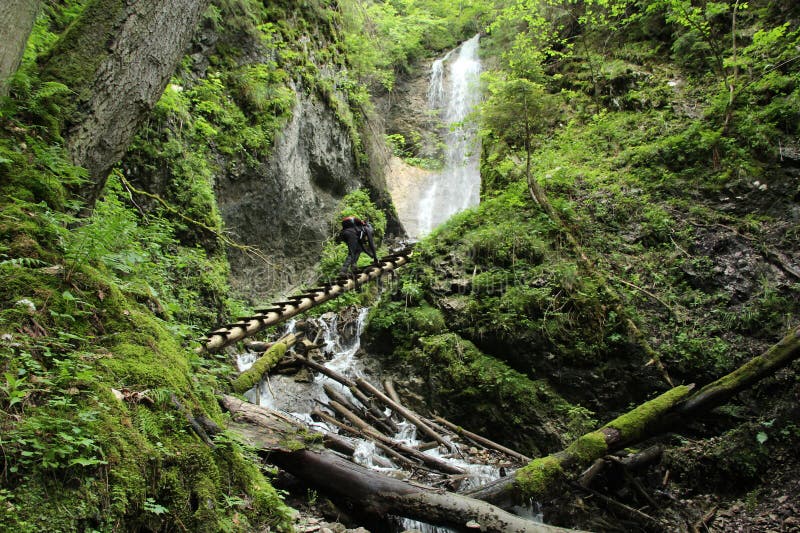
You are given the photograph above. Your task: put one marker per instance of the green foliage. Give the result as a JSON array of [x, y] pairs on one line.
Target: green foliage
[[384, 39], [92, 304], [359, 204], [263, 91], [516, 110], [481, 392]]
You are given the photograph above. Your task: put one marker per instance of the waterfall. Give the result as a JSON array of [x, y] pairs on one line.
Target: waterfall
[[453, 97]]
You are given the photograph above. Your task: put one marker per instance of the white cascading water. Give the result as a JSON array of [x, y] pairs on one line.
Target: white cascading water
[[454, 96], [297, 398]]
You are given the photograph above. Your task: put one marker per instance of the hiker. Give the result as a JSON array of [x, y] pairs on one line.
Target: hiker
[[368, 242], [352, 230]]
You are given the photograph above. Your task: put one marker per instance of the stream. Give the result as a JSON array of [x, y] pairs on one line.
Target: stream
[[297, 395]]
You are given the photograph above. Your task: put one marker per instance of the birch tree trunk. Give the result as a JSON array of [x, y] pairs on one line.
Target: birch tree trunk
[[16, 22], [117, 59]]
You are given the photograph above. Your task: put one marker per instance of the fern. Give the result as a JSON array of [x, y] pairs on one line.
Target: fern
[[48, 102], [48, 90], [161, 396], [147, 422], [24, 262]]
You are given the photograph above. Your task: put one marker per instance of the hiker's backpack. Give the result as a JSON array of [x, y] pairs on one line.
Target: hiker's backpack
[[354, 222]]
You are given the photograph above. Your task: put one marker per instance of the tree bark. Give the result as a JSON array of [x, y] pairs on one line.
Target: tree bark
[[541, 476], [17, 18], [545, 475], [253, 375], [117, 59], [371, 491], [367, 388], [720, 391], [397, 450], [483, 441], [382, 495], [433, 462], [319, 415]]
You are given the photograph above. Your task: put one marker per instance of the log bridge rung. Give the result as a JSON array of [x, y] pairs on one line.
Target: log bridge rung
[[269, 310], [281, 311]]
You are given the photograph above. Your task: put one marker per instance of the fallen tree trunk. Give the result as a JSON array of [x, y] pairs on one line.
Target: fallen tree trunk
[[382, 495], [367, 388], [317, 414], [433, 462], [354, 390], [372, 492], [540, 477], [543, 476], [483, 441], [766, 364], [250, 377], [378, 421]]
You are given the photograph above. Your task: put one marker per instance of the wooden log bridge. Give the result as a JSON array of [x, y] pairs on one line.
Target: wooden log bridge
[[281, 311]]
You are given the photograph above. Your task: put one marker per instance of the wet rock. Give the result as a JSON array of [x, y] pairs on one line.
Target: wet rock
[[256, 346], [303, 376]]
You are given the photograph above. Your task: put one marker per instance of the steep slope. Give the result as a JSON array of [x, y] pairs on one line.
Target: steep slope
[[266, 112], [662, 202], [106, 410]]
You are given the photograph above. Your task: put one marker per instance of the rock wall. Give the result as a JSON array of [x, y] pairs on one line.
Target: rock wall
[[285, 206]]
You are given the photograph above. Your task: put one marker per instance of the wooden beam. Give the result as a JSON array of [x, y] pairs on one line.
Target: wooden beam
[[218, 339]]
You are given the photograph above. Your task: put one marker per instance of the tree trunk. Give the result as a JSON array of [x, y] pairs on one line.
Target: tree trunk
[[253, 375], [368, 388], [545, 475], [720, 391], [541, 476], [375, 493], [17, 18], [483, 441], [117, 59], [382, 495]]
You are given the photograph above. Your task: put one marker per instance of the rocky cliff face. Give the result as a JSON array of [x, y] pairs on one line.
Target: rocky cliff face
[[278, 175], [285, 205]]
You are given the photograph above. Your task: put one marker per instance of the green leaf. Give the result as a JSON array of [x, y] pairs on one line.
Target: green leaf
[[761, 437], [85, 461]]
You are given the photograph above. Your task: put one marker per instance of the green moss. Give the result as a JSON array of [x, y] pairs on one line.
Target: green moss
[[292, 444], [425, 320], [538, 476], [249, 378], [632, 425], [588, 447], [68, 67], [487, 396]]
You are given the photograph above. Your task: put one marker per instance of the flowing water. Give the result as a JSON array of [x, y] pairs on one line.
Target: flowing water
[[453, 93], [298, 398]]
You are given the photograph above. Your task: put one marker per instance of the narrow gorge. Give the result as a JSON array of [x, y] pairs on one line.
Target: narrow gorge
[[583, 311]]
